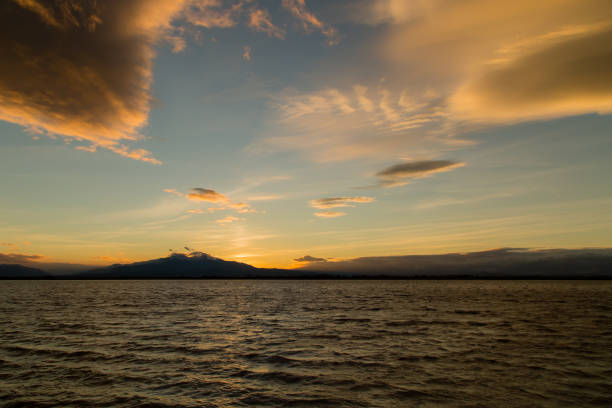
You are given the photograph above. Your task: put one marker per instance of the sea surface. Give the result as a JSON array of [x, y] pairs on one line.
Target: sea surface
[[233, 343]]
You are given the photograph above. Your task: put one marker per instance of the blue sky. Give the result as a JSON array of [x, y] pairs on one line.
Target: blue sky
[[266, 131]]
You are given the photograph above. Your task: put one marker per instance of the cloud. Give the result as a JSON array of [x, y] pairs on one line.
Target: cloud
[[489, 64], [178, 43], [266, 197], [259, 20], [329, 214], [196, 211], [568, 75], [213, 13], [309, 21], [241, 208], [173, 191], [359, 122], [228, 219], [308, 258], [246, 53], [204, 194], [19, 258], [398, 174], [332, 202], [211, 196], [82, 69]]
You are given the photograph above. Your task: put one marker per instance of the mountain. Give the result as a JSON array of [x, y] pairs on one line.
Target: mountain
[[194, 265], [505, 263], [13, 271]]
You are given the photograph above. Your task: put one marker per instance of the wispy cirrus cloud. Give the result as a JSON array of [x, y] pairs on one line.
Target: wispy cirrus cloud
[[400, 174], [82, 69], [338, 125], [333, 202]]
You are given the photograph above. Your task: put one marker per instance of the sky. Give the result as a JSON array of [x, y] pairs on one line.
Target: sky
[[281, 132]]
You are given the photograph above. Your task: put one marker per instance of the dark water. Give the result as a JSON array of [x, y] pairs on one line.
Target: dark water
[[305, 343]]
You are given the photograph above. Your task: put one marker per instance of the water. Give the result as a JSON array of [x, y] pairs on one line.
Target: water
[[305, 343]]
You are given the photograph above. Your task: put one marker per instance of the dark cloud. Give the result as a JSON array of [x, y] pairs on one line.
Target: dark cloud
[[503, 262], [205, 194], [19, 258], [81, 68], [308, 258], [397, 174]]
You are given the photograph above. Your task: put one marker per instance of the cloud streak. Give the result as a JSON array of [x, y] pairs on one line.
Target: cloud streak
[[19, 258], [329, 214], [333, 202], [400, 174]]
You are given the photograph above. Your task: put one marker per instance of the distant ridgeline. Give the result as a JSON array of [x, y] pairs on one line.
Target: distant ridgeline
[[505, 263], [14, 271]]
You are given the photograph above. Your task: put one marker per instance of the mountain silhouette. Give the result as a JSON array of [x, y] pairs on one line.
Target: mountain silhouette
[[194, 265], [191, 266], [14, 271]]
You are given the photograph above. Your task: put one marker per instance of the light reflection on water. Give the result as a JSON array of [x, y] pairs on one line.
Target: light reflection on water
[[305, 343]]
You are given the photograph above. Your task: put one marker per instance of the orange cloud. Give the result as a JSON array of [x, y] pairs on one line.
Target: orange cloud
[[204, 194], [329, 214], [211, 196], [561, 75], [173, 191], [528, 60], [229, 219], [81, 69], [333, 202], [259, 20], [213, 13], [309, 21]]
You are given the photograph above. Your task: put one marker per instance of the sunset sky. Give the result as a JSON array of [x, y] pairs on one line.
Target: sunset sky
[[266, 131]]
